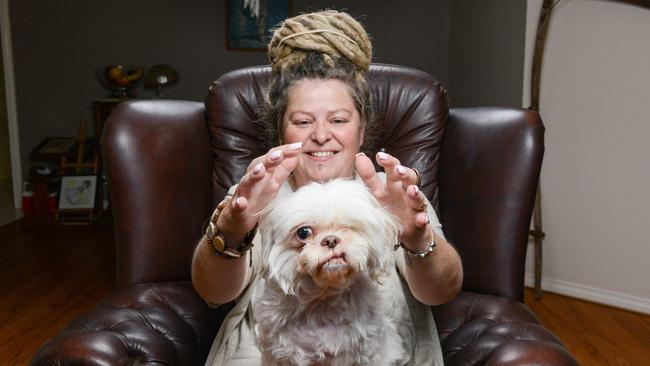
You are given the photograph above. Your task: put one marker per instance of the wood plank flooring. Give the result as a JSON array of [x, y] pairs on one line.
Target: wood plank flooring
[[595, 334], [51, 274], [48, 276]]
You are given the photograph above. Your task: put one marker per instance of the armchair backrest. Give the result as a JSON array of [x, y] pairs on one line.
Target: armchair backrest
[[411, 109], [167, 167]]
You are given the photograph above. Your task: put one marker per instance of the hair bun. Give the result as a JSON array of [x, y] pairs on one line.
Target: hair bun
[[332, 33]]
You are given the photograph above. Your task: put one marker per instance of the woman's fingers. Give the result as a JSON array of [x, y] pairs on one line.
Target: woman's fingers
[[416, 199], [248, 181], [388, 162], [263, 168], [273, 159], [408, 176], [421, 219], [366, 171], [288, 150], [283, 170], [233, 219], [407, 201], [264, 177]]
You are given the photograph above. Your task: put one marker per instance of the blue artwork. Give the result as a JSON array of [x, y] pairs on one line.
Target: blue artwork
[[250, 22]]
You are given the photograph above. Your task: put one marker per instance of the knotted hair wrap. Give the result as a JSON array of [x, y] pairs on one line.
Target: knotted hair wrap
[[333, 34]]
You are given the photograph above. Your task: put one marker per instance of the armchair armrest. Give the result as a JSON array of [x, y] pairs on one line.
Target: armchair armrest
[[489, 169], [477, 329], [162, 323]]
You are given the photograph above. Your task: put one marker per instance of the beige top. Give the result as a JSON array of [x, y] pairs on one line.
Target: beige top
[[235, 345]]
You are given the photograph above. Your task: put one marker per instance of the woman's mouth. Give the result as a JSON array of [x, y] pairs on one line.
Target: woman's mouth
[[321, 155]]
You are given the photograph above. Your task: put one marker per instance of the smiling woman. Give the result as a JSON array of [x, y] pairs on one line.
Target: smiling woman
[[318, 115], [322, 116]]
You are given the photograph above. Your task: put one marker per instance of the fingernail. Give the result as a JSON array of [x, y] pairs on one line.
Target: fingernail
[[258, 168], [275, 155], [295, 146], [360, 154], [239, 200], [401, 170], [382, 156], [416, 189]]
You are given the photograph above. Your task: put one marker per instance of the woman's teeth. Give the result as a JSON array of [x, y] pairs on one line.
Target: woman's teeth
[[320, 154]]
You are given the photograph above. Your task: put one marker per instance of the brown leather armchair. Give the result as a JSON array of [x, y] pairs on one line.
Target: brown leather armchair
[[169, 162]]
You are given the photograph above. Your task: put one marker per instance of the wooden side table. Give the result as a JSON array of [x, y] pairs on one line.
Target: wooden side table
[[103, 108]]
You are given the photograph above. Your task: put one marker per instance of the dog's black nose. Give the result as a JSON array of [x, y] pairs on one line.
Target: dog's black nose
[[330, 241]]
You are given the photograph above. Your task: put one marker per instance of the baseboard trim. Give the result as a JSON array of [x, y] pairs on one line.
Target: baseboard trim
[[594, 294]]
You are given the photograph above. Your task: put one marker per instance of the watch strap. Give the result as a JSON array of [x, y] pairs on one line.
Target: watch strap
[[219, 243]]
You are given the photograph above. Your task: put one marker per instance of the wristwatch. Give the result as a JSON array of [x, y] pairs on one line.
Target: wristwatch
[[218, 242]]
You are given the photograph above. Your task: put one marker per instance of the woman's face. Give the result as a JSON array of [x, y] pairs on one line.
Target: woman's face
[[321, 114]]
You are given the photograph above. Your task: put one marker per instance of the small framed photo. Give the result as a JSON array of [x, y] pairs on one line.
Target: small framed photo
[[78, 192], [249, 22]]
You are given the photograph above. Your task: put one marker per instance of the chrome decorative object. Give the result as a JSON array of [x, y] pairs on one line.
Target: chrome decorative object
[[158, 76]]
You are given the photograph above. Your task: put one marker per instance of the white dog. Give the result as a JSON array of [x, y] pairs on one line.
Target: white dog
[[329, 292]]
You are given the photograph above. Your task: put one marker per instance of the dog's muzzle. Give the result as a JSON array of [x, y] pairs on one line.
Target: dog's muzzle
[[330, 241]]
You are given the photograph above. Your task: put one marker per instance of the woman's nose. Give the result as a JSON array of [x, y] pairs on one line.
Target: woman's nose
[[321, 132]]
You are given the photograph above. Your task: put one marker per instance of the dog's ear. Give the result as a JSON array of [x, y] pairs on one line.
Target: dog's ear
[[382, 257]]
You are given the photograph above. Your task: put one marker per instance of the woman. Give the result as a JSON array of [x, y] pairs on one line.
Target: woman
[[318, 110]]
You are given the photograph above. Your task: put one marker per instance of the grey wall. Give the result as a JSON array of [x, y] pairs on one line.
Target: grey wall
[[58, 45], [487, 52], [409, 32]]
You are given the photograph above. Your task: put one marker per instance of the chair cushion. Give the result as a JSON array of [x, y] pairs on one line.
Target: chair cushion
[[411, 111]]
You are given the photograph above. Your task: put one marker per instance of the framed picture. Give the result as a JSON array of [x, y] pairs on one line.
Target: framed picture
[[78, 192], [249, 22]]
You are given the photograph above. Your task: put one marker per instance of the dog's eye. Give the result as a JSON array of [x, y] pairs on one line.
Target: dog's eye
[[303, 233]]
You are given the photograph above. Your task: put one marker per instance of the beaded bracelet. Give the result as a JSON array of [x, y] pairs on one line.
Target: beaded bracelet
[[421, 254]]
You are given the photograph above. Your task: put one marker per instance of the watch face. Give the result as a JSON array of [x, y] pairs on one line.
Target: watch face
[[219, 244]]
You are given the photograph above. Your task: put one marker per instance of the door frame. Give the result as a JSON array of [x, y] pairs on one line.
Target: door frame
[[12, 111]]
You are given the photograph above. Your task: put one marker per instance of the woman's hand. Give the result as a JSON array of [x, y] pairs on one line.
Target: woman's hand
[[401, 195], [265, 175]]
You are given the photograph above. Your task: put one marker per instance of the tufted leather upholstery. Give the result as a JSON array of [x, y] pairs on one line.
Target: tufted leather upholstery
[[169, 162]]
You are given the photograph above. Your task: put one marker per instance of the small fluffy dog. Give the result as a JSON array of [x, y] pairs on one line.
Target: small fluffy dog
[[329, 292]]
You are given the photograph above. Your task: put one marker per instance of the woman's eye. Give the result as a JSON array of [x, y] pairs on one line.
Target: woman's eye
[[301, 123], [338, 121], [303, 233]]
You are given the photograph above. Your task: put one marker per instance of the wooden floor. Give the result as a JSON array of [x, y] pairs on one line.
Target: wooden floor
[[595, 334], [49, 275]]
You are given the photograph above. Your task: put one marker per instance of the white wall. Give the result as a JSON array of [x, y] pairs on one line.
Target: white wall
[[595, 102]]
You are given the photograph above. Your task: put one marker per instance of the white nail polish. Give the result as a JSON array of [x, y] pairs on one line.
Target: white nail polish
[[382, 156], [401, 170], [417, 190], [258, 168], [275, 155], [239, 200], [295, 146]]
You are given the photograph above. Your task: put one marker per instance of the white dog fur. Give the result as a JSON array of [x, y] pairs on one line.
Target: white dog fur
[[334, 298]]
